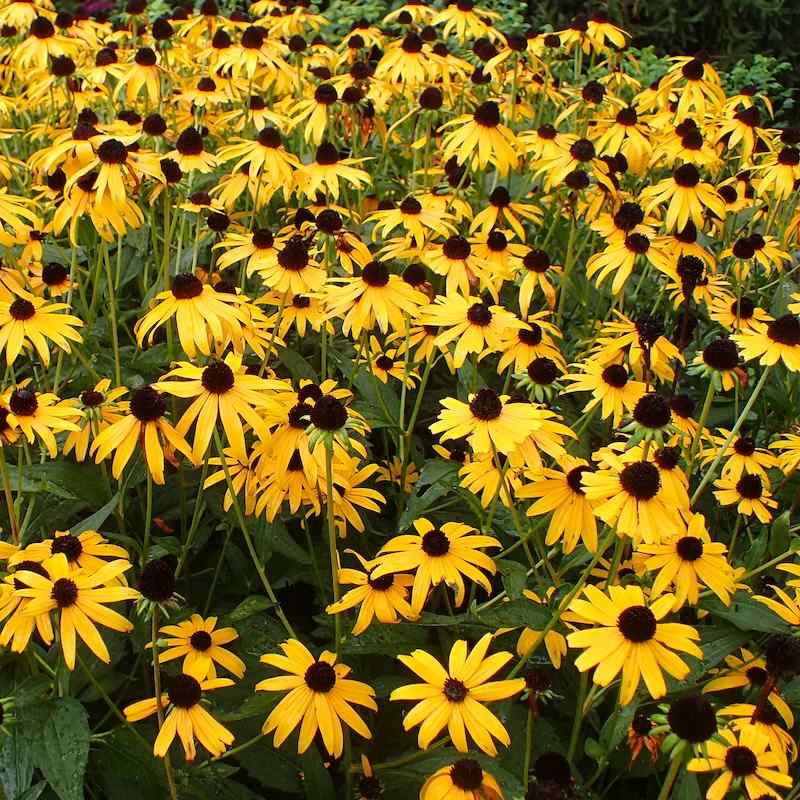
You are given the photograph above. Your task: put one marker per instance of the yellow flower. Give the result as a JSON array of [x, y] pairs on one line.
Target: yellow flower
[[199, 642], [438, 555], [629, 636], [455, 697], [320, 696], [79, 598]]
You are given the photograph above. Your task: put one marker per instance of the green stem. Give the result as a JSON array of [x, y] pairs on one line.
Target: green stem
[[112, 317], [711, 471], [526, 758], [249, 541], [578, 718], [12, 512], [159, 708], [672, 773], [710, 392], [334, 556]]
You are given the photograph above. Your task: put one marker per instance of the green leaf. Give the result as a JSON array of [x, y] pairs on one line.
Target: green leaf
[[514, 576], [298, 367], [746, 614], [271, 768], [94, 521], [317, 782], [16, 766], [615, 728], [779, 534], [126, 769], [516, 613], [60, 746], [255, 604]]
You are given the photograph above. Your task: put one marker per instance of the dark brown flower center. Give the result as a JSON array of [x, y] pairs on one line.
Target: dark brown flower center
[[486, 405], [23, 403], [320, 677], [184, 691], [637, 624], [686, 176], [575, 478], [466, 775], [91, 399], [455, 691], [479, 314], [217, 378], [381, 584], [148, 404], [435, 543], [294, 255], [641, 480], [689, 548], [615, 375], [22, 309], [487, 114], [65, 592], [741, 761], [785, 330], [456, 248], [200, 640], [329, 414], [185, 286], [69, 545], [375, 274], [750, 487]]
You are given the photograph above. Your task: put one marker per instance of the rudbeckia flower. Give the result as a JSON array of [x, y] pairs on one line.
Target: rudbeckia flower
[[632, 498], [488, 421], [186, 717], [611, 386], [375, 297], [325, 172], [465, 779], [200, 643], [561, 492], [198, 311], [743, 759], [750, 493], [88, 551], [480, 139], [455, 697], [144, 424], [685, 562], [438, 555], [30, 322], [687, 195], [19, 626], [628, 636], [41, 415], [79, 598], [384, 598], [320, 695], [223, 392]]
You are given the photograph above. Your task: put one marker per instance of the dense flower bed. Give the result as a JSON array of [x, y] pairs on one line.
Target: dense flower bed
[[412, 414]]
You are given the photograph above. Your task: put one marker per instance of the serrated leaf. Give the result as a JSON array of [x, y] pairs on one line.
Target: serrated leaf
[[60, 746], [126, 769], [516, 613]]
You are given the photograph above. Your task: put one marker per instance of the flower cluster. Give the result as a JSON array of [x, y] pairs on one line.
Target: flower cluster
[[516, 325]]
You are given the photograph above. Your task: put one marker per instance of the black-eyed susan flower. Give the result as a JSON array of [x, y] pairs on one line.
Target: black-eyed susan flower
[[88, 551], [778, 340], [751, 494], [200, 643], [455, 697], [474, 326], [186, 717], [31, 323], [145, 424], [769, 722], [41, 415], [375, 297], [19, 625], [438, 555], [101, 407], [628, 636], [199, 312], [464, 779], [489, 421], [554, 642], [612, 388], [686, 562], [79, 598], [632, 497], [742, 759], [480, 139], [319, 698], [560, 492], [384, 598], [687, 197], [327, 170], [223, 392]]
